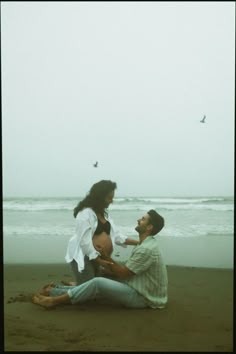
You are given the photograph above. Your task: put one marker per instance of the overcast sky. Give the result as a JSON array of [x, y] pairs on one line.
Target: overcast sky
[[122, 83]]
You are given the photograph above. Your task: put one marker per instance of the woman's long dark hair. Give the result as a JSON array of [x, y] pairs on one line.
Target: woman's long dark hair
[[96, 197]]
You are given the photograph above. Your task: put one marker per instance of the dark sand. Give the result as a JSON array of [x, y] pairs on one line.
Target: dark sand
[[199, 315]]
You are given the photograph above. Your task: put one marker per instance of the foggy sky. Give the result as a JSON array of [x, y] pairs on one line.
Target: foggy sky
[[122, 83]]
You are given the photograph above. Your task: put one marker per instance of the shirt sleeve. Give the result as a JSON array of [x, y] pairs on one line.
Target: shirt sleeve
[[139, 261], [84, 234]]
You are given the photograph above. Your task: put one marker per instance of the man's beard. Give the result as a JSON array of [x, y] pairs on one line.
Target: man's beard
[[137, 228]]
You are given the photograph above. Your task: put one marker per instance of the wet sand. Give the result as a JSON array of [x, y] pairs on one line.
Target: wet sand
[[198, 317]]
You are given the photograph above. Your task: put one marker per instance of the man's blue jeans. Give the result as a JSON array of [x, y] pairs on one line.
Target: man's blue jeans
[[106, 291]]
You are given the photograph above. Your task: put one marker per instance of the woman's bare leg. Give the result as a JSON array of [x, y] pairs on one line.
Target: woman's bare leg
[[81, 277]]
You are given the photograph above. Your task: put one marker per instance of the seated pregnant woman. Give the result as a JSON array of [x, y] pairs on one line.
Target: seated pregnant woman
[[94, 230]]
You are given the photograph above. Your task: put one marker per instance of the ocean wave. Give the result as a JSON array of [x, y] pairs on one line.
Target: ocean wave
[[168, 200], [174, 230], [37, 206], [173, 207], [122, 204], [224, 208], [219, 200], [34, 231]]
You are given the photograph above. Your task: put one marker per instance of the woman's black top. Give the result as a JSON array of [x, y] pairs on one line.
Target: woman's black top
[[103, 227]]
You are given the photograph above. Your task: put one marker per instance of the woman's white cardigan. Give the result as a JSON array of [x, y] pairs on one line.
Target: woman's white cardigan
[[81, 243]]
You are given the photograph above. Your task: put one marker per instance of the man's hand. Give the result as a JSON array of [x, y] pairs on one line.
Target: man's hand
[[114, 269], [107, 273], [103, 252], [104, 262]]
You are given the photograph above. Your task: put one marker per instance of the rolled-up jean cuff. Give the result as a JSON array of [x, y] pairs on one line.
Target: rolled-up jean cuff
[[70, 295]]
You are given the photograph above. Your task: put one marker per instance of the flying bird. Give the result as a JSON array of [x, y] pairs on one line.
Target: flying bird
[[95, 164], [203, 120]]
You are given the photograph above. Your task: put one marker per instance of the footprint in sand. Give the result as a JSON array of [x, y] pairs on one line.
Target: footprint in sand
[[20, 298]]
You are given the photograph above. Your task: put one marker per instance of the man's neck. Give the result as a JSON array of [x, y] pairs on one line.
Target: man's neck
[[142, 237]]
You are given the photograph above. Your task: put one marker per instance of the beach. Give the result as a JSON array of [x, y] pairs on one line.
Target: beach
[[197, 244], [198, 317]]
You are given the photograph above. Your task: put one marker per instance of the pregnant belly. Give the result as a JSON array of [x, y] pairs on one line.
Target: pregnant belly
[[103, 240]]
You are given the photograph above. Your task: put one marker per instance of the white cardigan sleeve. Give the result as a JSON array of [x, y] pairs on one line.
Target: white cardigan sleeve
[[85, 226]]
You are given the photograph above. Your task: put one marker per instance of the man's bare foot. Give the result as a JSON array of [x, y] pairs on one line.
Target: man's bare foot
[[45, 301], [69, 283], [46, 289]]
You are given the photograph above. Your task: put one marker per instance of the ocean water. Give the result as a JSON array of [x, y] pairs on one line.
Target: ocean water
[[198, 231]]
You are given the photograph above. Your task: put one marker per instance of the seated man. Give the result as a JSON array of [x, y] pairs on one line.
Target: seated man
[[141, 282]]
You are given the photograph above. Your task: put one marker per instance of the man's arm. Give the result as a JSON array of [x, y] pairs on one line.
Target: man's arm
[[103, 262], [116, 269], [130, 241]]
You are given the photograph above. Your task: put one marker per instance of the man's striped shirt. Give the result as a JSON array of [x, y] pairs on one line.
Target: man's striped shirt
[[150, 279]]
